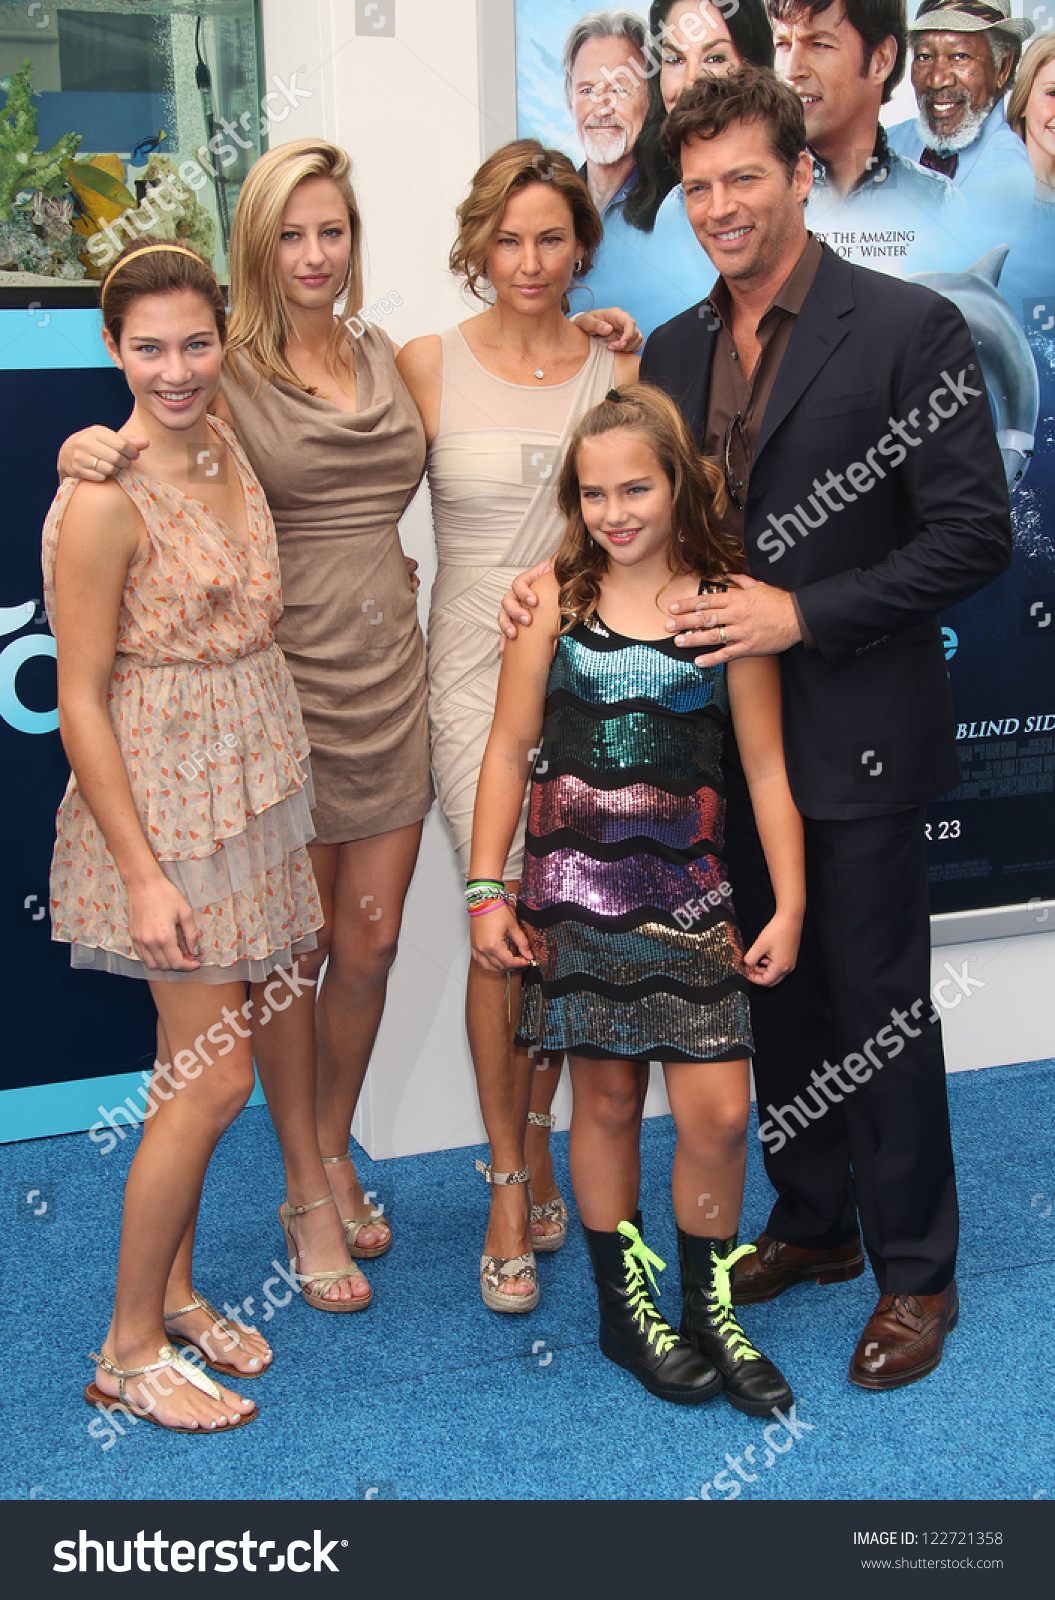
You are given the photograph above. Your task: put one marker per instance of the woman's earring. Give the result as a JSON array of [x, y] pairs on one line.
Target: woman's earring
[[681, 538], [578, 266]]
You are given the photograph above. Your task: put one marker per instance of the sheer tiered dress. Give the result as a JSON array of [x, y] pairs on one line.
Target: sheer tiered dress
[[206, 717]]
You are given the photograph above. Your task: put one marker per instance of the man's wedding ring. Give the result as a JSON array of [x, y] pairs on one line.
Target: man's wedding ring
[[95, 464], [721, 634]]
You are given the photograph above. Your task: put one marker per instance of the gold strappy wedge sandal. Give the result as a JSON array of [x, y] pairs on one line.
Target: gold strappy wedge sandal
[[548, 1210], [312, 1282], [167, 1357], [495, 1270], [220, 1324], [353, 1226]]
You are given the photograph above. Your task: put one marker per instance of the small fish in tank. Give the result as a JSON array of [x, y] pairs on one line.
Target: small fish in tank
[[145, 148]]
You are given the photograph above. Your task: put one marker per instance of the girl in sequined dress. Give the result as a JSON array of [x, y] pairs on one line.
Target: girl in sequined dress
[[624, 927]]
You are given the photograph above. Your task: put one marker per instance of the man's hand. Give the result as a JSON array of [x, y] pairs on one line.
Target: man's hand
[[613, 324], [515, 603], [750, 619]]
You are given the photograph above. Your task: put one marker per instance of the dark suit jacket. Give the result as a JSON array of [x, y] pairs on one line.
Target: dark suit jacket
[[921, 525]]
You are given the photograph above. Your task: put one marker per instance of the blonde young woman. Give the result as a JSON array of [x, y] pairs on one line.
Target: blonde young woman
[[499, 395], [1031, 113], [338, 444]]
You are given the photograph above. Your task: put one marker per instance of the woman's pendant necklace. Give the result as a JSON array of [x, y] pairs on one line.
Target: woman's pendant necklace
[[540, 371]]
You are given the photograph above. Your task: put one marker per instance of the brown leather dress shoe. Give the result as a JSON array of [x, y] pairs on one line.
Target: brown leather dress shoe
[[904, 1338], [775, 1267]]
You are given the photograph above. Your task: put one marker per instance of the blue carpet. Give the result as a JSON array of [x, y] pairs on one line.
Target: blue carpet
[[430, 1396]]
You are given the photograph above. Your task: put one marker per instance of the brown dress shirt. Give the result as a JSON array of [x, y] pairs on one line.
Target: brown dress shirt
[[738, 402]]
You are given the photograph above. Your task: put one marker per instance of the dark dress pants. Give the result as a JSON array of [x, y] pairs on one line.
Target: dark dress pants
[[884, 1150]]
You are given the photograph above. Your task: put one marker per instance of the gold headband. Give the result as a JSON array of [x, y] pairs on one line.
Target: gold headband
[[151, 249]]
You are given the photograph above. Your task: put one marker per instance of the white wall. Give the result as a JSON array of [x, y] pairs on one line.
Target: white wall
[[407, 108]]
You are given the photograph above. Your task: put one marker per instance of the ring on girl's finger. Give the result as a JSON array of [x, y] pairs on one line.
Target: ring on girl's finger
[[721, 634]]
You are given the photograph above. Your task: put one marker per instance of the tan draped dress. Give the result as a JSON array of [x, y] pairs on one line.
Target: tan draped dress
[[337, 483], [493, 469]]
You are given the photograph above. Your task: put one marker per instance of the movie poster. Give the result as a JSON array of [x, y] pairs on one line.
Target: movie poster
[[947, 192]]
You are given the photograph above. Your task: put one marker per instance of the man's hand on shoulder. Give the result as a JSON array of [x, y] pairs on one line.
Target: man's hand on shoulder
[[749, 619], [514, 603]]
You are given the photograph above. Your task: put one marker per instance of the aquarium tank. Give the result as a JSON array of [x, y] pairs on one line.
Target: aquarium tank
[[120, 118]]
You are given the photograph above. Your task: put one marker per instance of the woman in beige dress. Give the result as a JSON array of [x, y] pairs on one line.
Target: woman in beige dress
[[499, 394]]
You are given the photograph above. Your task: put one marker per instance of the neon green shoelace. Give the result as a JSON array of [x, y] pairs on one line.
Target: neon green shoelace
[[639, 1261], [736, 1340]]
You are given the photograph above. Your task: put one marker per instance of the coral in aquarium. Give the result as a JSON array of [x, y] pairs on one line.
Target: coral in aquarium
[[22, 166], [38, 237], [183, 218]]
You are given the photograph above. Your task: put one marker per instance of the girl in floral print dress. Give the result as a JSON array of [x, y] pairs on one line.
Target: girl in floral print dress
[[181, 850]]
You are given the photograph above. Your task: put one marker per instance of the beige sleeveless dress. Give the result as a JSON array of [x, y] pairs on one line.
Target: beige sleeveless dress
[[337, 483], [493, 469]]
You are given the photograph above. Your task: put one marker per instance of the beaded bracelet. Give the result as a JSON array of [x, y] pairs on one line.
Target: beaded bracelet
[[479, 890], [484, 894]]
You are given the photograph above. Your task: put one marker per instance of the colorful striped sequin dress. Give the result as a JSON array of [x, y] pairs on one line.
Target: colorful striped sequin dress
[[624, 897]]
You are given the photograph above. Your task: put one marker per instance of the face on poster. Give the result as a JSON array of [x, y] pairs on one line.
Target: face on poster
[[933, 137]]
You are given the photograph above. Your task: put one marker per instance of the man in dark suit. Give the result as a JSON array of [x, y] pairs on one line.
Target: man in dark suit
[[849, 412]]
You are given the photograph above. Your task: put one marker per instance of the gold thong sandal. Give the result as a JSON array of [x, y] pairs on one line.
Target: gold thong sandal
[[167, 1357], [353, 1226], [496, 1270], [312, 1282], [221, 1325]]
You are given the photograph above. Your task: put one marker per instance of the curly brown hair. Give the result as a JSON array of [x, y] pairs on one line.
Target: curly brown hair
[[503, 175], [750, 94], [699, 542]]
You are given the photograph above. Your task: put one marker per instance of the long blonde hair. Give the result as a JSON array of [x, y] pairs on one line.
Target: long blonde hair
[[699, 543], [1039, 53], [260, 322]]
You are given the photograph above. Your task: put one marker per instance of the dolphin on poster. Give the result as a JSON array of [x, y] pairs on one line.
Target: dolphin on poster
[[1008, 366]]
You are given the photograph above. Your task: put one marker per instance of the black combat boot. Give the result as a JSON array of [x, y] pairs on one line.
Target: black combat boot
[[633, 1334], [708, 1322]]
